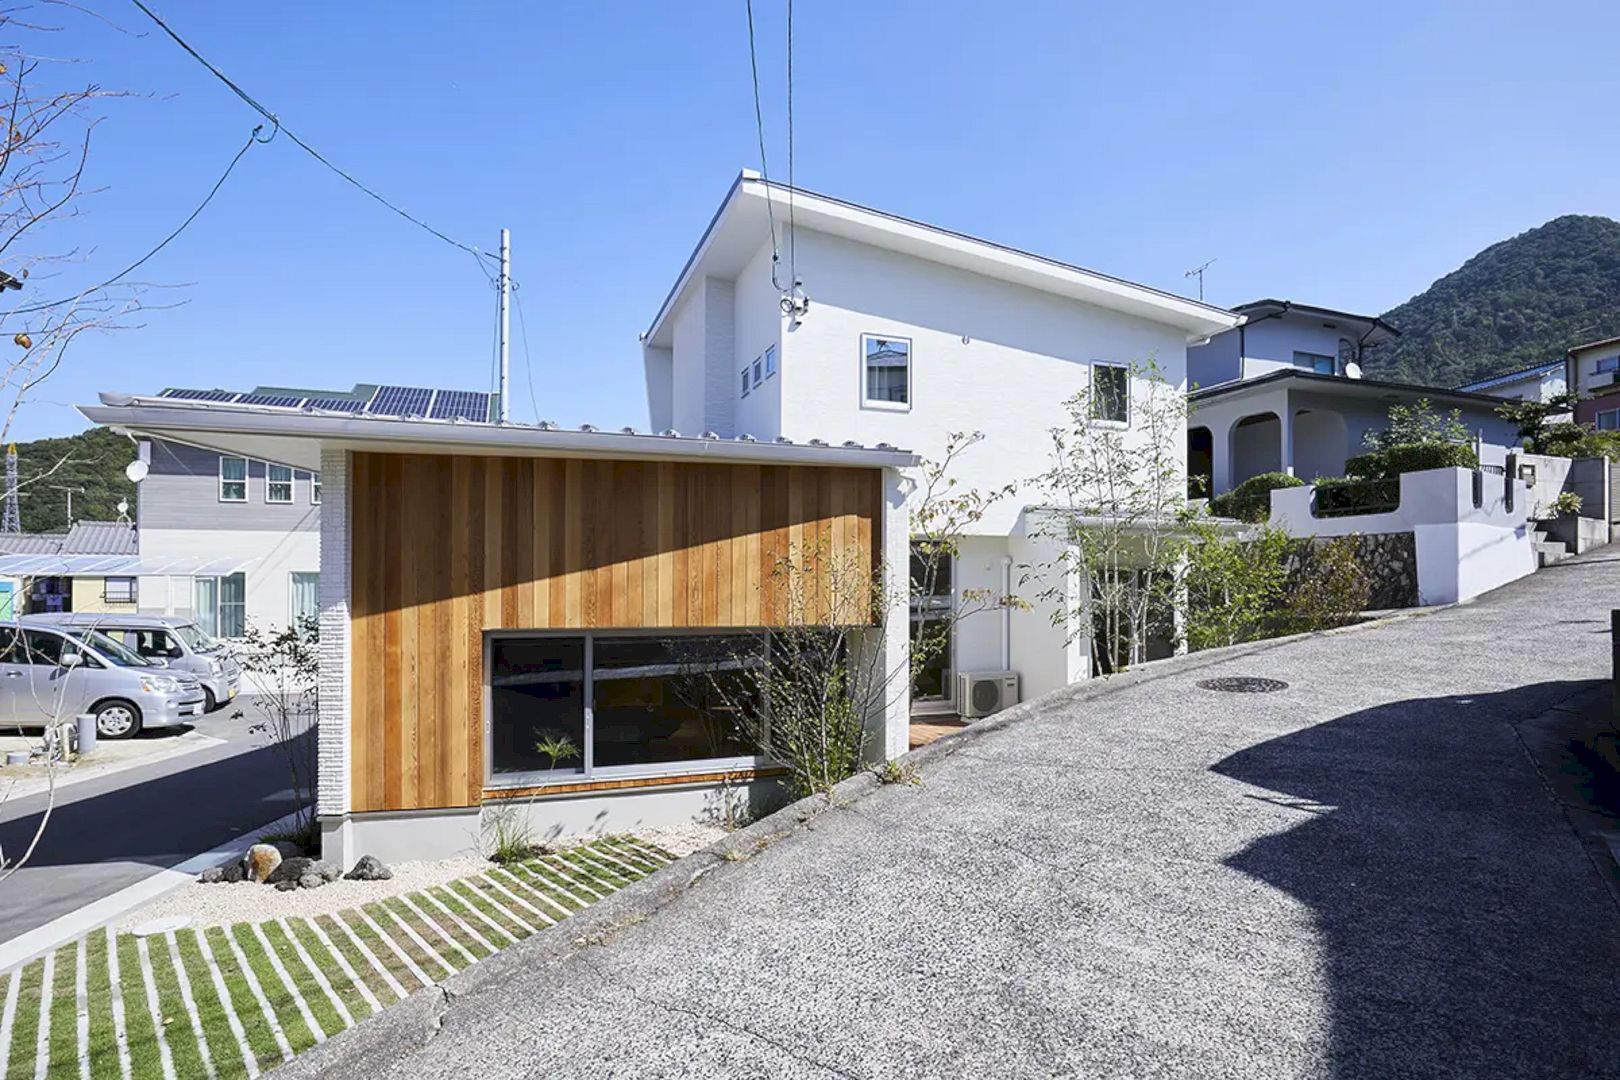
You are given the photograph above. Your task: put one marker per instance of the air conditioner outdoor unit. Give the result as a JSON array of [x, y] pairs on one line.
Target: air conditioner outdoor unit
[[981, 693]]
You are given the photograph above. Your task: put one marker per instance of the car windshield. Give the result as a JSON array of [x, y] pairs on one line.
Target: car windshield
[[196, 639], [114, 651]]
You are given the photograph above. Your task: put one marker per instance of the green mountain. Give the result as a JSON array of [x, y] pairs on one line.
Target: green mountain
[[92, 460], [1520, 302]]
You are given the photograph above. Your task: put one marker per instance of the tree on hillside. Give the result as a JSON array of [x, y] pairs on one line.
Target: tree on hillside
[[92, 462], [1520, 302]]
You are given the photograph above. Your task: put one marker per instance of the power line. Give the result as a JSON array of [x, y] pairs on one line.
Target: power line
[[132, 267], [302, 145], [759, 125], [793, 246], [528, 365]]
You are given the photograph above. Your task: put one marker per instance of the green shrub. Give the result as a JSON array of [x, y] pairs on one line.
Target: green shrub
[[1391, 461], [1251, 500], [1575, 441], [1338, 496]]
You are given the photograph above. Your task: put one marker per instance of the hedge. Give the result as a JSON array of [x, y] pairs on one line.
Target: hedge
[[1251, 500], [1411, 457]]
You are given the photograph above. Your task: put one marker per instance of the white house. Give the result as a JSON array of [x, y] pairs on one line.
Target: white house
[[1283, 391], [902, 333], [1542, 382]]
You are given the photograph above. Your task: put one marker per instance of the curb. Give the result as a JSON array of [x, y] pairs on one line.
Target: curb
[[384, 1040], [75, 924]]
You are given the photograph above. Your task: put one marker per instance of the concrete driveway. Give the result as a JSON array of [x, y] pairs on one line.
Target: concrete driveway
[[1363, 875]]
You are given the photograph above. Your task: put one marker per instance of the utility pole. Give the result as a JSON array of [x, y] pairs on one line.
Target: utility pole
[[11, 516], [69, 491], [505, 321]]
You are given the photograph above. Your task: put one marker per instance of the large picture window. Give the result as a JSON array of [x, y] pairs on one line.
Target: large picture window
[[571, 707]]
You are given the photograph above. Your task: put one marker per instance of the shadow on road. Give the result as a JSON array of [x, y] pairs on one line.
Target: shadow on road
[[1465, 930], [161, 820]]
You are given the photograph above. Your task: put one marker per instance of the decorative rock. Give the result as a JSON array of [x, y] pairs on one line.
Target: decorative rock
[[262, 861], [233, 874], [212, 876], [287, 848], [329, 871], [290, 870], [369, 868], [286, 886], [311, 880]]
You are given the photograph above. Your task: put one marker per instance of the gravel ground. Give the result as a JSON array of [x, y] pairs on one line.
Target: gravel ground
[[222, 904]]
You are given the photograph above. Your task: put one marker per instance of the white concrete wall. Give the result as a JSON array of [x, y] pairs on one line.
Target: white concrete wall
[[267, 558], [1025, 353], [1276, 340], [689, 355], [1462, 550], [1049, 651], [758, 319]]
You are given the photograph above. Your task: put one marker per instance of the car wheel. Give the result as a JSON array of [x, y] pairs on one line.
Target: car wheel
[[117, 720], [209, 703]]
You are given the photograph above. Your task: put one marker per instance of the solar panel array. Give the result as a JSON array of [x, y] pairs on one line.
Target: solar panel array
[[417, 401]]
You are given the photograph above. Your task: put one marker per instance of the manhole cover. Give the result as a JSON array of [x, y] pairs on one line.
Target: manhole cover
[[1243, 684]]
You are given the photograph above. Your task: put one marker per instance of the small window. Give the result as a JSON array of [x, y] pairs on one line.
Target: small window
[[1609, 420], [759, 371], [1111, 393], [1322, 365], [278, 483], [770, 361], [886, 374], [315, 488], [118, 590], [232, 479], [1607, 363], [745, 382]]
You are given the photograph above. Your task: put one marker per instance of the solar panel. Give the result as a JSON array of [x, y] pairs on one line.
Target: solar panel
[[335, 404], [462, 404], [280, 401], [401, 401], [199, 395]]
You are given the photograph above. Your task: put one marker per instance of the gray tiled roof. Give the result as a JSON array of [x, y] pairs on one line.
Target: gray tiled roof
[[84, 538]]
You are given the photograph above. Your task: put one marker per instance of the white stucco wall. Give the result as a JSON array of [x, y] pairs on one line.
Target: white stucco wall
[[758, 319], [268, 559]]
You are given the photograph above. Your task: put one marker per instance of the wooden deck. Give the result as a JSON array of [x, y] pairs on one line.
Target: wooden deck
[[925, 731]]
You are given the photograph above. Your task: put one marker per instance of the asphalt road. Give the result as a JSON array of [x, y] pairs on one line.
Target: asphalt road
[[110, 832], [1362, 875]]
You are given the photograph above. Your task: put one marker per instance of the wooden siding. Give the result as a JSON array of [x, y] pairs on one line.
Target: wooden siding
[[446, 547]]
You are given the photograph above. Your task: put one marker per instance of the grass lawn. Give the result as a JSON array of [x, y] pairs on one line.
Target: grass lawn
[[235, 1001]]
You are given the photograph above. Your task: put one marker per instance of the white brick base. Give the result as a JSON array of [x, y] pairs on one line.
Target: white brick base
[[332, 791]]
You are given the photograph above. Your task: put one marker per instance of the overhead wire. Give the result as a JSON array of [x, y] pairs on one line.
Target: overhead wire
[[793, 247], [759, 126], [528, 364], [478, 254]]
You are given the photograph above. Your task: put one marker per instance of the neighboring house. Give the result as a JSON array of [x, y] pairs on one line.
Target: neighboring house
[[91, 567], [485, 587], [229, 540], [911, 333], [1283, 392], [1593, 371], [1542, 382]]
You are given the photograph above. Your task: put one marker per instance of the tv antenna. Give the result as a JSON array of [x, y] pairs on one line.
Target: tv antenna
[[1198, 272], [69, 491]]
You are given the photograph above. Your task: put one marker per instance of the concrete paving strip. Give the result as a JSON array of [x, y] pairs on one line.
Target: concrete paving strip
[[25, 947]]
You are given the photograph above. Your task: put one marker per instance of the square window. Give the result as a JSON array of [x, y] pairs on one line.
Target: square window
[[1609, 420], [118, 590], [232, 479], [886, 372], [1111, 393], [537, 699], [770, 361], [278, 483]]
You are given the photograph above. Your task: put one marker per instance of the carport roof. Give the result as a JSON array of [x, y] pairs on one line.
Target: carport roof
[[57, 565]]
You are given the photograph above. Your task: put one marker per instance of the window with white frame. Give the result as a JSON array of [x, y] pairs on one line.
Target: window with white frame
[[219, 604], [233, 473], [770, 361], [278, 483], [610, 704], [315, 488], [885, 372], [1111, 393], [1609, 420], [303, 603], [118, 590]]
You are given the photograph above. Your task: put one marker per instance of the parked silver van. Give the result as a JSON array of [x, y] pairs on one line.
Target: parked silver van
[[179, 643], [50, 674]]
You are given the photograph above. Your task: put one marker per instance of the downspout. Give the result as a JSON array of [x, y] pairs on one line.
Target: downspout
[[1006, 613]]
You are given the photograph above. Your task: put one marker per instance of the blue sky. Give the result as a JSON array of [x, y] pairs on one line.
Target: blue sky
[[1342, 154]]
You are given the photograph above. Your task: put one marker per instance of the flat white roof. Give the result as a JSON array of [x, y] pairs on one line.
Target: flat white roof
[[295, 436], [739, 227]]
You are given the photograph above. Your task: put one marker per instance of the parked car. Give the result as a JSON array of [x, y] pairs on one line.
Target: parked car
[[180, 643], [50, 674]]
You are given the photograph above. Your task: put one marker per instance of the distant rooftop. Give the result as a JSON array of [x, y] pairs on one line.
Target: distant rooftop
[[1506, 377], [82, 538], [366, 399], [1377, 330]]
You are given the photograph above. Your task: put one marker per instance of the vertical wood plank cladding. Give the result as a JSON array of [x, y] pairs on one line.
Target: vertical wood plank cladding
[[445, 548]]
